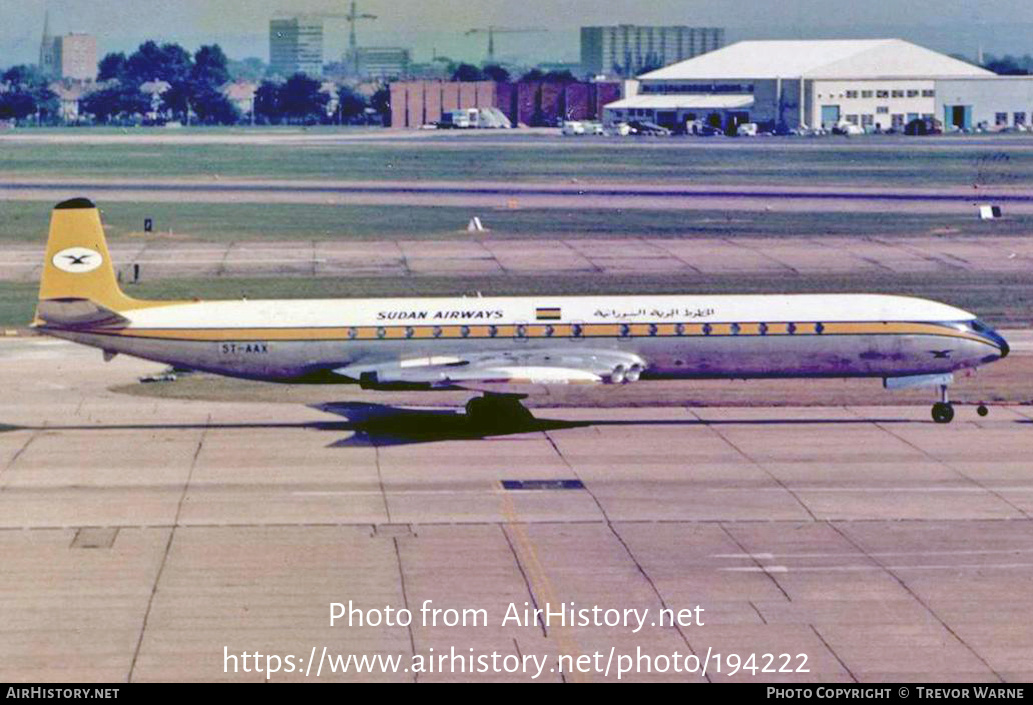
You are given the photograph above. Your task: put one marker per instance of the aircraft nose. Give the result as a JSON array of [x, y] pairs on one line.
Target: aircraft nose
[[998, 340]]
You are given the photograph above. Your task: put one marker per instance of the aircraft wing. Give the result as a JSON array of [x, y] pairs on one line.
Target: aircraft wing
[[470, 370]]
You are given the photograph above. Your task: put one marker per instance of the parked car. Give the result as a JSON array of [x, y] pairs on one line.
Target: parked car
[[701, 129], [747, 129], [572, 128], [924, 126], [646, 128], [847, 128]]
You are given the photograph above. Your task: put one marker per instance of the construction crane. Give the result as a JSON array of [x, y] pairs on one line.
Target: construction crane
[[492, 31], [353, 48], [351, 17]]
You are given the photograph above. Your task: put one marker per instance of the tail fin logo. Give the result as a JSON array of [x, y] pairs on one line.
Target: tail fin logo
[[77, 260]]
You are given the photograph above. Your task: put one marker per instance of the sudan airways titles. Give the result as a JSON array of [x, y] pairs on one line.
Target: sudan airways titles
[[447, 315]]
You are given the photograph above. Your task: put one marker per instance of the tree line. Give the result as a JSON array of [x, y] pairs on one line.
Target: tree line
[[494, 72], [166, 82], [194, 85], [25, 93], [1009, 65]]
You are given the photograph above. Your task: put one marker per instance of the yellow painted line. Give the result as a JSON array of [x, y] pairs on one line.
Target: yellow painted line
[[540, 331], [540, 583]]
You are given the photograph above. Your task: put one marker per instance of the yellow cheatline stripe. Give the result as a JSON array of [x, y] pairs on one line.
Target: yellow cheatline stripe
[[540, 331], [540, 583]]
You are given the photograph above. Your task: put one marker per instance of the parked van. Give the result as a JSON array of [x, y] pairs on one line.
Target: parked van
[[455, 120]]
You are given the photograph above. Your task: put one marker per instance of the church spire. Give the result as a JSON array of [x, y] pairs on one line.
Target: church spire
[[46, 47]]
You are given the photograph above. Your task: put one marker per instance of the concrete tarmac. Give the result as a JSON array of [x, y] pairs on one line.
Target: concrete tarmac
[[160, 257], [146, 539], [565, 195]]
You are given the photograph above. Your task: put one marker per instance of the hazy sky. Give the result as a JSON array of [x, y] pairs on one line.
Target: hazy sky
[[241, 26]]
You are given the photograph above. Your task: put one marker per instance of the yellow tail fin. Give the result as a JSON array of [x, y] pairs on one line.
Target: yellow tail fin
[[77, 264]]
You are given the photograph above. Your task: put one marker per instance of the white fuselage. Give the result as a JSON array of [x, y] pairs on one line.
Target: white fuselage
[[698, 336]]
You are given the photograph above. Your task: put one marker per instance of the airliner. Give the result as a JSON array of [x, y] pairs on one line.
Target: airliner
[[479, 343]]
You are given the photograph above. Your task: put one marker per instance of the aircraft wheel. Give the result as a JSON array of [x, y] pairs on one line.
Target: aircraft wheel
[[943, 412], [982, 410]]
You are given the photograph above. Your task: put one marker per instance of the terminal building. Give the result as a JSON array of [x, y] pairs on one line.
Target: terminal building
[[878, 84], [534, 103]]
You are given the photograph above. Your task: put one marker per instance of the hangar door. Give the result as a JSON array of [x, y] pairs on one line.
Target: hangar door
[[959, 116], [829, 116]]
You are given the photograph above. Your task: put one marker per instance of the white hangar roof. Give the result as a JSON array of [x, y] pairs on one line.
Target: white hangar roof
[[681, 101], [825, 58]]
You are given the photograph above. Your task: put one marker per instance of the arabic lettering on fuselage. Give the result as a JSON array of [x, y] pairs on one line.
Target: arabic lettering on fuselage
[[656, 313]]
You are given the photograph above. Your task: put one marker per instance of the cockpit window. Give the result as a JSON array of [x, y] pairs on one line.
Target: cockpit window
[[975, 325]]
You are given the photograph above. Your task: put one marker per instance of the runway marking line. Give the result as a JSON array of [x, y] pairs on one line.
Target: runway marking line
[[540, 581], [859, 568]]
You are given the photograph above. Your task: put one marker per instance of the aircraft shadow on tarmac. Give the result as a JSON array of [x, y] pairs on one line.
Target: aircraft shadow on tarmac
[[384, 425]]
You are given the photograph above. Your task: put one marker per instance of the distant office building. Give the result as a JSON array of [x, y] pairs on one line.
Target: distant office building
[[296, 46], [627, 50], [75, 57], [383, 62]]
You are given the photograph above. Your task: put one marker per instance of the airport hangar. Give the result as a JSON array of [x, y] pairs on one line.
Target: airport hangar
[[877, 84]]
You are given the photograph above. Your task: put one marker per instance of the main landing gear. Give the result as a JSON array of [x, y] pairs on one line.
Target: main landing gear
[[943, 410], [495, 410]]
